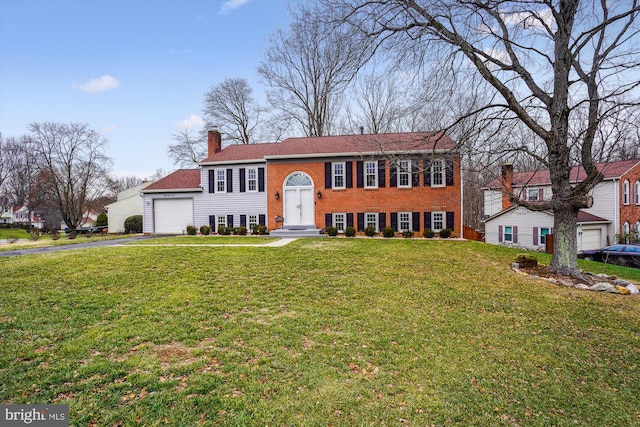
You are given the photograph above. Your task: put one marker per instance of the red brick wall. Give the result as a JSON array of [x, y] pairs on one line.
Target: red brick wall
[[388, 199], [630, 213]]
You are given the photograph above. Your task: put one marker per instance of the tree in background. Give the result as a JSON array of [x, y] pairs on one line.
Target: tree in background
[[72, 164], [559, 69], [188, 149]]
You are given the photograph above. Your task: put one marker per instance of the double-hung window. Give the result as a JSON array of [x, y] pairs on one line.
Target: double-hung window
[[221, 220], [404, 221], [404, 173], [532, 194], [252, 221], [252, 179], [371, 219], [221, 181], [638, 193], [437, 221], [437, 173], [371, 174], [339, 221], [544, 232], [508, 233], [338, 174], [625, 192]]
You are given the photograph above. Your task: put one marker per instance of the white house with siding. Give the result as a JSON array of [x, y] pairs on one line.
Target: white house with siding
[[128, 203]]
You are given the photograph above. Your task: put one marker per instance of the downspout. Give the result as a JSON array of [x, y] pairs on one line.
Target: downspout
[[616, 211]]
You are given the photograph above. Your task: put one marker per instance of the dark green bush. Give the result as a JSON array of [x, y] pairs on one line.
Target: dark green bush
[[242, 230], [102, 220], [370, 231], [34, 234], [332, 231], [428, 233], [224, 230], [260, 229], [191, 230], [205, 230], [445, 233], [388, 232], [407, 234], [349, 232], [133, 224]]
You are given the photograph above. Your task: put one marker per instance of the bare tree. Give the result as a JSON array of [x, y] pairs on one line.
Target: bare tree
[[188, 149], [560, 68], [73, 166], [118, 184], [308, 68], [231, 107]]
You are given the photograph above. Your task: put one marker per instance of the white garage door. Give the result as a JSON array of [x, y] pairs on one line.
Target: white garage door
[[591, 239], [172, 216]]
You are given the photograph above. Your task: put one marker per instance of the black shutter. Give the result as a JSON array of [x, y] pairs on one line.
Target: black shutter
[[262, 219], [427, 220], [242, 180], [415, 175], [360, 221], [212, 181], [449, 172], [261, 180], [328, 220], [349, 219], [230, 221], [381, 174], [450, 220], [427, 174], [327, 175], [360, 174], [382, 220], [349, 171], [415, 219], [212, 221], [243, 220], [229, 180], [394, 221], [393, 175]]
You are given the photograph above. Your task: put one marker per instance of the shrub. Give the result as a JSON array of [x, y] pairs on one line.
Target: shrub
[[72, 235], [224, 230], [370, 231], [102, 220], [133, 224], [191, 230], [34, 235], [428, 233], [407, 234], [526, 260], [205, 230], [332, 231], [388, 232], [55, 235], [445, 233], [259, 229], [242, 230], [350, 232]]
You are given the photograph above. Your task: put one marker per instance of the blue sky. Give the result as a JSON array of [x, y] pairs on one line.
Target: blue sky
[[134, 70]]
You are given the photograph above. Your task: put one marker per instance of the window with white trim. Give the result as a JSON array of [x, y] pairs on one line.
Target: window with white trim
[[544, 232], [252, 179], [221, 181], [371, 174], [437, 173], [340, 221], [404, 174], [404, 221], [437, 221], [625, 227], [625, 192], [252, 221], [221, 220], [508, 234], [371, 219], [637, 192], [532, 194], [337, 174]]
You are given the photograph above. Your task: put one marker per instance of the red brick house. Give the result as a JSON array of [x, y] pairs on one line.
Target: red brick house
[[408, 181]]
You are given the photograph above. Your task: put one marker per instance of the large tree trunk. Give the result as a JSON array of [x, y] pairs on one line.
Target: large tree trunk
[[565, 249]]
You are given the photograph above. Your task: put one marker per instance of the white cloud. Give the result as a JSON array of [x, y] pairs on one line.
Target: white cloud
[[231, 5], [531, 19], [193, 121], [100, 84]]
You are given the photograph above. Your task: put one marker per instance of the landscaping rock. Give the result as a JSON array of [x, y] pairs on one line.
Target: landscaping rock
[[633, 289], [581, 286], [604, 287], [623, 290], [526, 260]]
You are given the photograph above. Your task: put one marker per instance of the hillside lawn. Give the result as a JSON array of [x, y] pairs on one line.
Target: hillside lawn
[[342, 332]]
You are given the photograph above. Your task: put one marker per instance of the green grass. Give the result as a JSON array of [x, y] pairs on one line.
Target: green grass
[[207, 240], [320, 332], [13, 233], [46, 240]]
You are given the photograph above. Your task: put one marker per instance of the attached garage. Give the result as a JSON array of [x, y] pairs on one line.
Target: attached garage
[[171, 216], [591, 239]]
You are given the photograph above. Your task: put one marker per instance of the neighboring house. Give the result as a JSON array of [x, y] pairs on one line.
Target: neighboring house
[[128, 203], [615, 209], [409, 181], [88, 220], [20, 215]]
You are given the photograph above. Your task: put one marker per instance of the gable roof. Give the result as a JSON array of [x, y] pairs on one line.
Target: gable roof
[[180, 180], [583, 217], [612, 170], [322, 146]]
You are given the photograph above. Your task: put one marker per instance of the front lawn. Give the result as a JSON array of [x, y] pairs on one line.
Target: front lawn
[[336, 332]]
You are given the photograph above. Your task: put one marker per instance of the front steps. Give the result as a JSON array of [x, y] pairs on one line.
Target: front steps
[[297, 231]]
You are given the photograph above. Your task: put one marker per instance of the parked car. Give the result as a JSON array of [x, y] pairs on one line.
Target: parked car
[[626, 255]]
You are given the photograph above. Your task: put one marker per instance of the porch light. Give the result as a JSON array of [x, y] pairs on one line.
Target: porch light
[[277, 195], [319, 194]]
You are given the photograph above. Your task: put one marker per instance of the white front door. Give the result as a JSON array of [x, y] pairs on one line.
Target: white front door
[[298, 200]]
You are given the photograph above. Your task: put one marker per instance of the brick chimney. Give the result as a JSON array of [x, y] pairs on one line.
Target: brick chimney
[[214, 141], [507, 185]]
